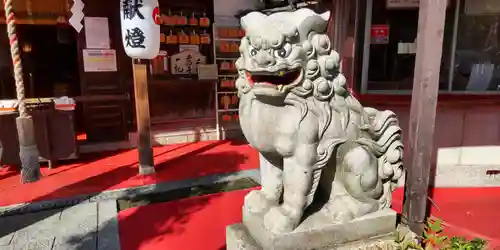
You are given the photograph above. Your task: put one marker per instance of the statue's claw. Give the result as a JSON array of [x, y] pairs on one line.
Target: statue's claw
[[278, 220], [343, 217], [338, 211], [256, 202]]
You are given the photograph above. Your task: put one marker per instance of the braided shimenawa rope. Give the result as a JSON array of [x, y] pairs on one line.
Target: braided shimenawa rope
[[28, 152], [16, 57]]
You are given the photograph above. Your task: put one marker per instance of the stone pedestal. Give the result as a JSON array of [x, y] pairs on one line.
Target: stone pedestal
[[373, 231]]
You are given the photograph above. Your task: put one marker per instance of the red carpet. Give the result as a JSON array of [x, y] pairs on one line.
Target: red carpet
[[466, 212], [106, 171], [199, 223]]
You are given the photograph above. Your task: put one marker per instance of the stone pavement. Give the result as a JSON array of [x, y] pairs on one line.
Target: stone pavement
[[86, 226]]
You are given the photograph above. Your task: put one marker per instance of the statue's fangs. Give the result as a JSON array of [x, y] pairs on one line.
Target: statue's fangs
[[315, 139]]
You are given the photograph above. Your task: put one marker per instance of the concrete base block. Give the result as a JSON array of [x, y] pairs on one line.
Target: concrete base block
[[238, 238], [318, 231], [146, 170]]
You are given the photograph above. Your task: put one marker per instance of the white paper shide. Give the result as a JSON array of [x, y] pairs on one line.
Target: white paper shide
[[140, 28], [77, 15]]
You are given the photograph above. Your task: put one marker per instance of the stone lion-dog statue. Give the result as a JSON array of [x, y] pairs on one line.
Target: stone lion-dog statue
[[314, 138]]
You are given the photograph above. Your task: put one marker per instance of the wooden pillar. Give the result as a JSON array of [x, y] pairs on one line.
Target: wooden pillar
[[423, 110], [144, 146]]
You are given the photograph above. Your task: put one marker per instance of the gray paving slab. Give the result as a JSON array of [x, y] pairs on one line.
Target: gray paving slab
[[85, 210], [77, 242], [35, 244], [74, 228], [6, 239], [107, 235], [40, 244]]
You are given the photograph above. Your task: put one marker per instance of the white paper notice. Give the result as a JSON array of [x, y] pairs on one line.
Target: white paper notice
[[97, 32], [99, 60]]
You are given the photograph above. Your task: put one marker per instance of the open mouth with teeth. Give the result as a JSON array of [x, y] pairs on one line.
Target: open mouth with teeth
[[278, 79]]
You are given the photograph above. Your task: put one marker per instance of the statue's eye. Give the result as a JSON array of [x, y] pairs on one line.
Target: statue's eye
[[283, 51], [252, 51]]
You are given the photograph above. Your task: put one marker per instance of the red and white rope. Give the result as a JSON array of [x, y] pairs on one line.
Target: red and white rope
[[16, 57]]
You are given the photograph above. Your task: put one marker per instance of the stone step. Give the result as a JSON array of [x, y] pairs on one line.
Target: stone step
[[166, 137]]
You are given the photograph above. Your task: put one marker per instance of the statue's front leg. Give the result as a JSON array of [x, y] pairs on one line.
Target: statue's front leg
[[297, 182], [258, 201]]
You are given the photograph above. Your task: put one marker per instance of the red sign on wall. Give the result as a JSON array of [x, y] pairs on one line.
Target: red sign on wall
[[380, 34]]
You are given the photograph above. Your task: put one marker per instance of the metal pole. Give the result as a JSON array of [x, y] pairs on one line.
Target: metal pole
[[451, 72], [366, 47], [217, 125], [28, 151]]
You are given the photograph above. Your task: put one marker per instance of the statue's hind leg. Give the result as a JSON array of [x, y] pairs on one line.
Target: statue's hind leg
[[356, 186], [258, 201]]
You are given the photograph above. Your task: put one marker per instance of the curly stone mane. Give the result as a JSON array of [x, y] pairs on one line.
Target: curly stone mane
[[324, 86]]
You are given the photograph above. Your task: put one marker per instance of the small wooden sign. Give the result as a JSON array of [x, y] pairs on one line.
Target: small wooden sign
[[181, 20], [171, 38], [208, 72], [205, 38], [194, 38], [186, 62], [204, 22], [193, 21], [183, 38]]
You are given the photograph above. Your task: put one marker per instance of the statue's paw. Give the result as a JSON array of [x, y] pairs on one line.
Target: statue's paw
[[256, 202], [339, 212], [343, 217], [277, 220]]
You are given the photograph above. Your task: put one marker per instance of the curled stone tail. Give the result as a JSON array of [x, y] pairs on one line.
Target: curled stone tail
[[386, 143]]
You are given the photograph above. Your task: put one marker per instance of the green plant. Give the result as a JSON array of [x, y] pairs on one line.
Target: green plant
[[460, 243], [405, 239], [433, 239], [432, 235]]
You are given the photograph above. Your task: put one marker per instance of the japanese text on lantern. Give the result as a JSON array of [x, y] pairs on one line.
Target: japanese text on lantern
[[131, 9], [135, 36]]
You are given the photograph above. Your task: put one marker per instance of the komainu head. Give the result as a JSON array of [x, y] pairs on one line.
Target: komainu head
[[288, 52]]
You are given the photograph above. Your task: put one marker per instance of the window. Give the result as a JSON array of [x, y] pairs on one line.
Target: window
[[477, 55], [471, 52], [392, 60]]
